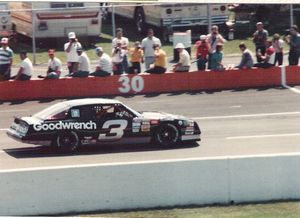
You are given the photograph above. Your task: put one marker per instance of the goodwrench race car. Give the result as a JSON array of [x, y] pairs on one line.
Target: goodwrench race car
[[70, 124]]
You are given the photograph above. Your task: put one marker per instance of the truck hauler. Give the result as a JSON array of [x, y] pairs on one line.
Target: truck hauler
[[173, 17], [52, 20], [5, 20]]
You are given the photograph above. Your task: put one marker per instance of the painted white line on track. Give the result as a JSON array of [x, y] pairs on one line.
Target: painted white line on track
[[235, 106], [263, 136], [5, 129], [292, 89], [248, 115], [11, 111], [159, 161]]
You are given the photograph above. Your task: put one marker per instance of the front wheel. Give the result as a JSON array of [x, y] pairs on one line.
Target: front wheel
[[167, 135], [67, 141]]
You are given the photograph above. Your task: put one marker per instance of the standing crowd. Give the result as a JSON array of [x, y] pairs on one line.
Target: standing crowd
[[123, 59]]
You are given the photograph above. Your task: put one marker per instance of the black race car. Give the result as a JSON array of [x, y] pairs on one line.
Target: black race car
[[73, 123]]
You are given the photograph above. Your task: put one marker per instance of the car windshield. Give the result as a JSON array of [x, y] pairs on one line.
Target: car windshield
[[52, 111], [137, 114]]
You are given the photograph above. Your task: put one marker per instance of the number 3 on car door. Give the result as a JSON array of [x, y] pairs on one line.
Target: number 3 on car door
[[116, 132]]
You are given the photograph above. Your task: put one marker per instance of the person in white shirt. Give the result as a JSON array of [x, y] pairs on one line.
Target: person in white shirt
[[124, 45], [82, 68], [184, 62], [104, 67], [26, 68], [54, 66], [147, 46], [70, 49], [214, 38], [278, 45], [117, 59], [6, 59]]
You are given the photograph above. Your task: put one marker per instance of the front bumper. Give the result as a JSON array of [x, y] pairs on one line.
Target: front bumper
[[190, 137], [16, 136]]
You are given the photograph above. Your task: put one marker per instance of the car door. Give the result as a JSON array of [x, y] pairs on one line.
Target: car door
[[115, 122], [84, 116]]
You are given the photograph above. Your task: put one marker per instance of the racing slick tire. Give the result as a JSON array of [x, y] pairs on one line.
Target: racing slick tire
[[67, 141], [167, 135]]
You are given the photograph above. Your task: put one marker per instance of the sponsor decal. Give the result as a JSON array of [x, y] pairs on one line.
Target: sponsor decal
[[135, 129], [64, 125], [189, 132], [145, 128], [136, 124], [154, 122]]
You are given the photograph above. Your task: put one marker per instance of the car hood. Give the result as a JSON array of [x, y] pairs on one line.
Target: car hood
[[160, 115], [31, 120]]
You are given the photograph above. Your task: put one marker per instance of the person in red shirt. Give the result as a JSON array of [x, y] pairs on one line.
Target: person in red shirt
[[268, 58], [202, 52]]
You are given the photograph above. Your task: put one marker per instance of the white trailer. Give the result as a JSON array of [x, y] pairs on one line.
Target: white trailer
[[5, 20], [171, 17], [46, 20]]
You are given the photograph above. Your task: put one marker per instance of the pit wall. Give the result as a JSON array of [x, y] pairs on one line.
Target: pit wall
[[145, 83], [136, 185]]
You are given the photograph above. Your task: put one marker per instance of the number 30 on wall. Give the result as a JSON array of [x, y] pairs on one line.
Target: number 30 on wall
[[135, 84]]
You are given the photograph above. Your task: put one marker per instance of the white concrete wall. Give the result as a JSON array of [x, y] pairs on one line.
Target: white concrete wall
[[265, 178], [149, 184]]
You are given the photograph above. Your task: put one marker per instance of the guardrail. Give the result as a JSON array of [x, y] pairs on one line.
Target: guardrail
[[166, 183], [145, 83]]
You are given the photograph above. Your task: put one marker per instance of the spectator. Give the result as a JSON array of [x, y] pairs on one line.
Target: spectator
[[202, 52], [104, 67], [137, 57], [117, 59], [217, 57], [259, 39], [54, 66], [278, 45], [214, 38], [247, 57], [293, 39], [160, 64], [71, 51], [82, 67], [124, 45], [26, 69], [147, 46], [184, 62], [268, 58], [6, 59]]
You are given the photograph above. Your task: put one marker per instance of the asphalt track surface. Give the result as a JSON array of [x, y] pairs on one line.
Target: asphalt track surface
[[233, 123]]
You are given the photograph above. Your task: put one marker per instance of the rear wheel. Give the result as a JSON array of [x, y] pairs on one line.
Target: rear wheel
[[167, 135], [67, 141]]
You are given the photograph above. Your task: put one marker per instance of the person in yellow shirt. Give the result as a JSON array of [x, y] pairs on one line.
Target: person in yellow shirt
[[137, 57], [160, 64]]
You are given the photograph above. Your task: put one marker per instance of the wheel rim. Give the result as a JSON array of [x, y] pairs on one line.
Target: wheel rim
[[68, 140], [168, 136]]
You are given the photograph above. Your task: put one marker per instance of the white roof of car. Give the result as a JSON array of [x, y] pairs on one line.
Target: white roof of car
[[87, 101], [56, 108]]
